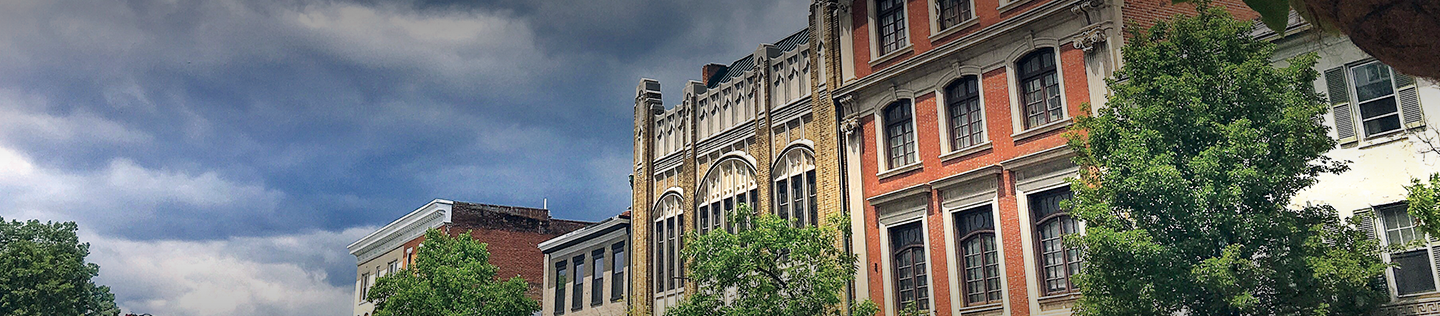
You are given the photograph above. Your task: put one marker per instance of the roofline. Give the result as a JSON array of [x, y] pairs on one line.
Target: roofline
[[404, 221], [603, 226]]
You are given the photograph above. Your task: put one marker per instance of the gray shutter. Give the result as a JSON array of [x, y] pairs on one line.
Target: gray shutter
[[1339, 89], [1409, 102], [1367, 222]]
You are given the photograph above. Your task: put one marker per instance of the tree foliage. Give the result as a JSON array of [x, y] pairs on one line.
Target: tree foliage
[[43, 272], [1186, 180], [451, 276], [1422, 200], [770, 268]]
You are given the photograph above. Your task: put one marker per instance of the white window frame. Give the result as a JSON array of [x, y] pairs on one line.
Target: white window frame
[[1017, 109], [1429, 248], [1359, 118], [882, 152], [873, 6], [942, 109], [937, 32], [896, 218]]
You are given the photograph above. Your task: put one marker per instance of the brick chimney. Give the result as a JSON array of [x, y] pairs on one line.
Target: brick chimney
[[708, 72]]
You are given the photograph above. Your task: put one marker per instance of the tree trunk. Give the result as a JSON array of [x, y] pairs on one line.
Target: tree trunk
[[1404, 34]]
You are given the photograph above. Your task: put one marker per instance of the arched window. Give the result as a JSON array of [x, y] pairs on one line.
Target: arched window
[[1040, 88], [962, 100], [899, 134], [669, 229], [907, 248], [794, 179], [980, 275], [1052, 223], [729, 183]]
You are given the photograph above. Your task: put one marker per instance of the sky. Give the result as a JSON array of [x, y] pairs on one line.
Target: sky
[[219, 155]]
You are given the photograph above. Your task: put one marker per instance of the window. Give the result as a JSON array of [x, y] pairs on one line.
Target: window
[[1040, 88], [560, 280], [668, 232], [659, 256], [962, 100], [670, 247], [954, 12], [364, 286], [1375, 93], [617, 271], [393, 267], [729, 183], [1057, 262], [980, 276], [1412, 267], [907, 245], [794, 175], [899, 134], [597, 279], [578, 296], [891, 14]]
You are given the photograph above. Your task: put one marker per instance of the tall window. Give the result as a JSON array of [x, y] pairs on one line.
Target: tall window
[[794, 176], [1057, 262], [364, 286], [578, 296], [560, 280], [891, 14], [1375, 93], [953, 12], [668, 229], [617, 271], [975, 233], [597, 279], [1040, 88], [1412, 270], [899, 134], [729, 183], [907, 246], [962, 99]]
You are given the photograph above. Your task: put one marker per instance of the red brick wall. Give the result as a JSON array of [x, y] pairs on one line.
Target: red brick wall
[[998, 120], [918, 28], [1142, 14]]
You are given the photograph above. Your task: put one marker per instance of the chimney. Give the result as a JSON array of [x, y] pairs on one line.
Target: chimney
[[708, 72]]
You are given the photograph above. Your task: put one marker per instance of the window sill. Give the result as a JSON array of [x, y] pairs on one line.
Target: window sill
[[1056, 298], [895, 171], [1383, 138], [1042, 129], [980, 308], [1011, 5], [887, 57], [967, 151], [954, 29]]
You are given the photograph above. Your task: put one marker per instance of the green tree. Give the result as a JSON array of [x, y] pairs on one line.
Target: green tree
[[451, 276], [769, 268], [1186, 180], [43, 272]]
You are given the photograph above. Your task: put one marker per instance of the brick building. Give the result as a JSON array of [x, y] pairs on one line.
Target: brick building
[[754, 131], [512, 234]]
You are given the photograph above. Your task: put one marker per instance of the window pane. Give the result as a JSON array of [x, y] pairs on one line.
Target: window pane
[[1412, 272], [1372, 81]]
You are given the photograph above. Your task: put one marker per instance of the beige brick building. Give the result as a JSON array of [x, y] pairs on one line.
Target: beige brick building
[[758, 131]]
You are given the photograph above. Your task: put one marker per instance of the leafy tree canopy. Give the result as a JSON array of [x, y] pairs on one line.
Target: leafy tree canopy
[[43, 272], [451, 276], [770, 268], [1186, 180]]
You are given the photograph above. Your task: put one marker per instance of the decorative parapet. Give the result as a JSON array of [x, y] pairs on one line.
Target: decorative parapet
[[1425, 306]]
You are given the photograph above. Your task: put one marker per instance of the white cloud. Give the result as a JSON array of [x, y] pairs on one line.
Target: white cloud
[[272, 276]]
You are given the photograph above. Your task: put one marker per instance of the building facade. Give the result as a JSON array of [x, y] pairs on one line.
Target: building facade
[[511, 232], [753, 132], [952, 114], [587, 271], [1379, 118]]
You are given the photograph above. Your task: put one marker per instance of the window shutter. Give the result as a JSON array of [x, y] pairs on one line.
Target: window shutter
[[1339, 89], [1405, 94], [1367, 223]]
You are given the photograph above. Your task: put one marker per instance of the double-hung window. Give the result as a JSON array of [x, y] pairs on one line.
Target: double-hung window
[[597, 279], [954, 12], [907, 251], [617, 271], [579, 295], [1057, 262], [1040, 88], [891, 14], [1373, 96], [364, 286], [1413, 268], [899, 134], [962, 100], [980, 276], [561, 278]]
